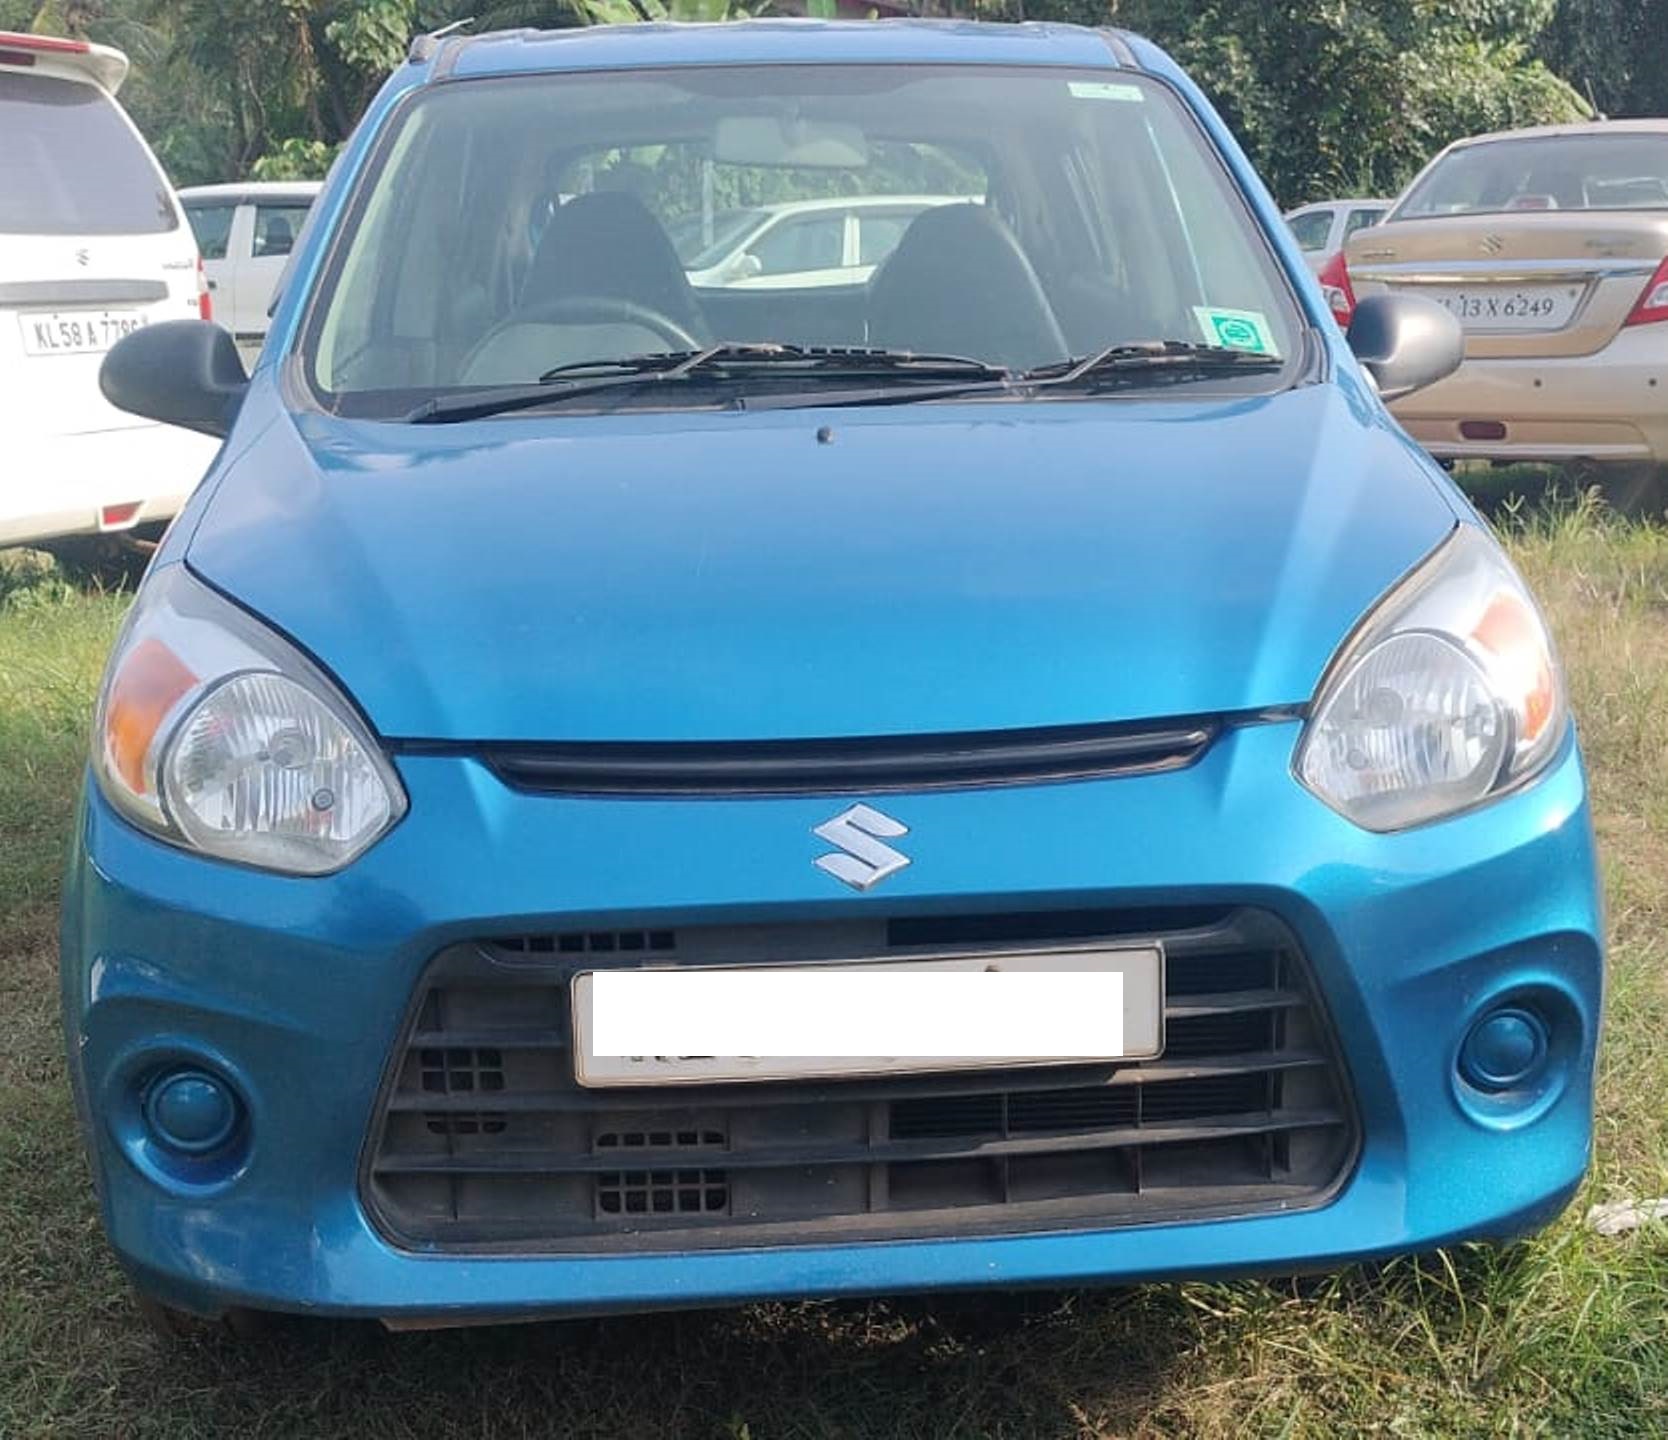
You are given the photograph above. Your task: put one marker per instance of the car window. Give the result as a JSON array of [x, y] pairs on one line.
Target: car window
[[1557, 172], [1361, 220], [479, 251], [276, 227], [1312, 230], [703, 240], [69, 164], [878, 235], [815, 242], [212, 225]]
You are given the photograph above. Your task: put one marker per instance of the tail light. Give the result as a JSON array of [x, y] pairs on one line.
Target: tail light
[[1653, 304], [1340, 296], [205, 301]]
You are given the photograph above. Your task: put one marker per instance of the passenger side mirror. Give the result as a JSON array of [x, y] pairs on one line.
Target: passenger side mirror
[[1406, 342], [746, 267], [181, 372]]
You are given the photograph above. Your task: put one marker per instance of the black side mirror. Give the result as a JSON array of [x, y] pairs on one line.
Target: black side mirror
[[181, 372], [1406, 342]]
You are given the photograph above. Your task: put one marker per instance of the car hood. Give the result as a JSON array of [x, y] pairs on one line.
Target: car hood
[[822, 574]]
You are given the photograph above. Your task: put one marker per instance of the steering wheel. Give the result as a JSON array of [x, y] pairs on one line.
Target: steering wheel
[[607, 310]]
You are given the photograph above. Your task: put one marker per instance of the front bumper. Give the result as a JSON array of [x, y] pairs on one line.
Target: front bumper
[[1609, 406], [298, 990]]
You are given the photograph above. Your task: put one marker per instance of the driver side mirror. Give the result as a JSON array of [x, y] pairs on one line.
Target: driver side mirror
[[181, 372], [1405, 342]]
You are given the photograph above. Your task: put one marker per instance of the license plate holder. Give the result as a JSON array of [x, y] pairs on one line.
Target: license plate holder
[[1507, 308], [1030, 994], [76, 332]]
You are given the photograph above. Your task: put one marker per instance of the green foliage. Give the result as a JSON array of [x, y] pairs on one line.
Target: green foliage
[[1329, 96], [295, 159], [1349, 97], [1613, 49]]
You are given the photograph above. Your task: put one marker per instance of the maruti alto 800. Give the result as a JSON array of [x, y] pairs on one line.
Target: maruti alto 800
[[1082, 795]]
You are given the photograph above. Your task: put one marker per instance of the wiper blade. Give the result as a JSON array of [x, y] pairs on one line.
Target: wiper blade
[[725, 362], [734, 356], [1182, 359]]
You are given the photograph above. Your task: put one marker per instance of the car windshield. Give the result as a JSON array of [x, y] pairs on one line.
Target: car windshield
[[1553, 172], [1014, 217]]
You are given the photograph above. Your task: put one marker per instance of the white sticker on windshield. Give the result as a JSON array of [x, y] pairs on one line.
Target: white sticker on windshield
[[1106, 90], [1236, 329]]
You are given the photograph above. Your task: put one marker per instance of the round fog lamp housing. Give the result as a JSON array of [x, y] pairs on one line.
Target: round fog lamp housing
[[191, 1111], [1506, 1049]]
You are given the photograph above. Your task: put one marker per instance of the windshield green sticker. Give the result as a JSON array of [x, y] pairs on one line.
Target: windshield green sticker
[[1105, 90], [1236, 329]]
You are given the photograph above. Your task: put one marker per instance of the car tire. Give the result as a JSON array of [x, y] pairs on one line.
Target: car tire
[[236, 1324]]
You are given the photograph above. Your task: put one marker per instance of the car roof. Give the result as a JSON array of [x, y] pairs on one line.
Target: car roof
[[784, 40], [1359, 200], [1588, 127], [54, 55], [253, 190]]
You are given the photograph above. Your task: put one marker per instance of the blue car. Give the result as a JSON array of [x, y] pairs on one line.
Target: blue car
[[1013, 771]]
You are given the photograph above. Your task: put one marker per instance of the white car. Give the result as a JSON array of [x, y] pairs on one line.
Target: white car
[[92, 246], [245, 233], [798, 244], [1322, 228]]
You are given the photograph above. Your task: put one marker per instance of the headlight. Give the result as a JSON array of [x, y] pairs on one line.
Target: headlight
[[215, 734], [1448, 694]]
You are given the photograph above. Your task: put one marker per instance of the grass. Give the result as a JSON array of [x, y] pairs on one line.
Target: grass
[[1564, 1335]]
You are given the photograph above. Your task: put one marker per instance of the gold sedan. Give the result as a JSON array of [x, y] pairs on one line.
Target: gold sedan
[[1548, 245]]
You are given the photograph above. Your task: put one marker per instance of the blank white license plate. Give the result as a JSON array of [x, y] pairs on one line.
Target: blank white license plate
[[706, 1024], [1507, 307], [76, 332]]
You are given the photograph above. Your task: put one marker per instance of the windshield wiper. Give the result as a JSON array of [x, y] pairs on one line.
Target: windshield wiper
[[736, 356], [1174, 359], [719, 363]]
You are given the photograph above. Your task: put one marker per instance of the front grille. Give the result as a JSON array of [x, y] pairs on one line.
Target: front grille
[[867, 764], [483, 1141]]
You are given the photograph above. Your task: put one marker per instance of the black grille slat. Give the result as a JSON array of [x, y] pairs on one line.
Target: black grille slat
[[1209, 1127], [484, 1140], [861, 765], [1152, 1072]]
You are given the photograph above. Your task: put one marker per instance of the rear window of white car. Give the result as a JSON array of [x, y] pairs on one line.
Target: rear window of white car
[[69, 164]]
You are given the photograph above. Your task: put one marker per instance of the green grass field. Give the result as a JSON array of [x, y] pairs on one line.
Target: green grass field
[[1562, 1336]]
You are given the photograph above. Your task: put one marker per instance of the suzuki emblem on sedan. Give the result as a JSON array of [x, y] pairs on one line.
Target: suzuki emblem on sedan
[[82, 257], [864, 858]]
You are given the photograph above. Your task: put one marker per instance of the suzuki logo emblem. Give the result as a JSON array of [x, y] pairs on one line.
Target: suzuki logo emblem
[[1492, 244], [82, 257], [863, 859]]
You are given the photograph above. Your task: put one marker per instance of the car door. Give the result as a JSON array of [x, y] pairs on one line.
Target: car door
[[1313, 229], [272, 228], [800, 251]]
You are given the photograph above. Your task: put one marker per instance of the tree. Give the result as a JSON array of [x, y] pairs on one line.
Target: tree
[[1329, 96], [1336, 97], [1613, 51]]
